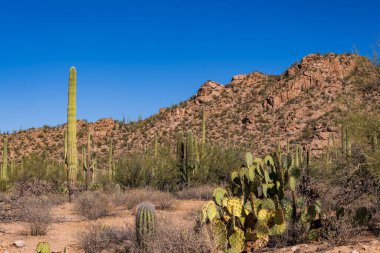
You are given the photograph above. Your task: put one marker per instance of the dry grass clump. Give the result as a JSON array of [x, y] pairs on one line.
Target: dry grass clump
[[134, 197], [93, 205], [169, 237], [172, 238], [100, 237], [35, 212], [203, 192]]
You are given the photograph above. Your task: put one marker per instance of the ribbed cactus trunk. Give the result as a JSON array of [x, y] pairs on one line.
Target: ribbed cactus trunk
[[145, 223], [374, 142], [4, 166], [181, 159], [72, 151], [344, 141], [13, 167], [196, 156], [66, 169], [190, 152], [88, 167], [111, 165], [154, 169], [203, 139]]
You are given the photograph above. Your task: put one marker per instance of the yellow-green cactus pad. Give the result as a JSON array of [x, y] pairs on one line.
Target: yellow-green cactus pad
[[248, 207], [220, 234], [249, 159], [266, 203], [237, 240], [43, 247], [212, 212], [218, 194], [234, 207], [277, 229], [261, 230], [263, 215]]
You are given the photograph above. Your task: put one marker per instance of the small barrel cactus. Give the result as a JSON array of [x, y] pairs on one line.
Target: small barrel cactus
[[145, 223], [43, 247]]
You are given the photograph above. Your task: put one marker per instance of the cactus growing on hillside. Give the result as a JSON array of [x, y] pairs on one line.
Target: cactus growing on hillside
[[145, 223], [111, 162], [374, 142], [88, 163], [345, 140], [190, 152], [187, 156], [72, 151], [4, 166], [155, 153], [196, 155], [203, 139], [181, 156]]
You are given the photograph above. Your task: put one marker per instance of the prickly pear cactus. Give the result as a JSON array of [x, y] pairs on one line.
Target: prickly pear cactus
[[145, 223], [43, 247], [249, 211]]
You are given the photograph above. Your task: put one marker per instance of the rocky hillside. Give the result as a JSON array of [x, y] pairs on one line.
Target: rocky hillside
[[302, 105]]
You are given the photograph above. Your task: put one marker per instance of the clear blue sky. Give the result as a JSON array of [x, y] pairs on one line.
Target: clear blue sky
[[135, 56]]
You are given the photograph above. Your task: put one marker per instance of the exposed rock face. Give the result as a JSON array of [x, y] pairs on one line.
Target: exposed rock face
[[209, 91], [299, 104]]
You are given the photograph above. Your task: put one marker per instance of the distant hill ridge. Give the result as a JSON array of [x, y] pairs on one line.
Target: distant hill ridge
[[301, 105]]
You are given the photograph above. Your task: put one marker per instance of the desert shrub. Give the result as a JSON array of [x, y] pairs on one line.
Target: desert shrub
[[34, 187], [119, 198], [35, 212], [161, 200], [338, 231], [135, 169], [100, 237], [203, 192], [37, 167], [93, 205], [171, 238]]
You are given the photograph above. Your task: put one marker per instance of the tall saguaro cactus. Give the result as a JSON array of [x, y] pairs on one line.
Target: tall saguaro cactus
[[88, 164], [203, 140], [72, 151], [111, 162], [181, 158], [154, 168], [190, 152], [4, 167]]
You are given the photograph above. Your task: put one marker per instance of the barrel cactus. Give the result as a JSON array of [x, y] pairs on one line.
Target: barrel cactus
[[43, 247], [145, 223]]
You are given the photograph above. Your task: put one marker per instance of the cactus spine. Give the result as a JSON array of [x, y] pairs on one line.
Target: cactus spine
[[72, 150], [4, 167], [145, 223]]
